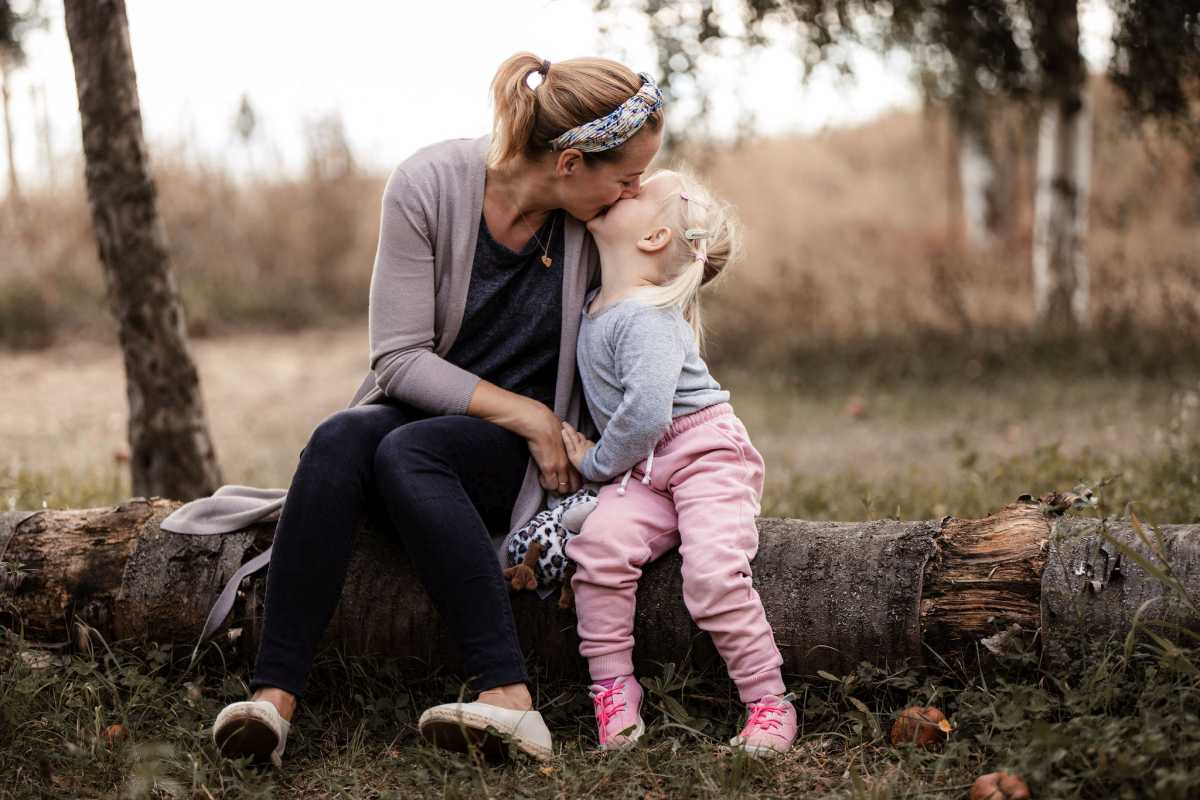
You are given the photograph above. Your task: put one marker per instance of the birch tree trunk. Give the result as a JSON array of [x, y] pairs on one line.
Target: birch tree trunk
[[14, 183], [1064, 159], [977, 172], [835, 593], [171, 453]]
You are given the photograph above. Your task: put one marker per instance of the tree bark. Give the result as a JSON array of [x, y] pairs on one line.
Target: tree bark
[[835, 593], [1060, 271], [171, 453]]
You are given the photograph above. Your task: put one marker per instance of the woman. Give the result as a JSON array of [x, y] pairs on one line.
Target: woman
[[478, 284]]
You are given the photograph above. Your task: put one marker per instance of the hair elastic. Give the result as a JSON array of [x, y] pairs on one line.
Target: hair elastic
[[544, 69]]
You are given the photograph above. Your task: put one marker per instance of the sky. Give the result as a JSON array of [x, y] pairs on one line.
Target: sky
[[401, 74]]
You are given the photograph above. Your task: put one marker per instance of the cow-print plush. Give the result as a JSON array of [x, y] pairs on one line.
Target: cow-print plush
[[548, 529]]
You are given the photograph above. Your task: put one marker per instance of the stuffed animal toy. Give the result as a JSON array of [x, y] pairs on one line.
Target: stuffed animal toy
[[537, 552]]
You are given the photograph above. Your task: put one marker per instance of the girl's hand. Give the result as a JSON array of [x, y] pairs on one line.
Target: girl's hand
[[576, 443]]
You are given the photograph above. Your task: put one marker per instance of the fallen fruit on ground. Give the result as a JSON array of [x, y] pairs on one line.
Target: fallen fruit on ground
[[999, 786], [924, 726]]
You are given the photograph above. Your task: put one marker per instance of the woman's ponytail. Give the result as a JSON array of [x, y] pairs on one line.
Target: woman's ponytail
[[516, 107]]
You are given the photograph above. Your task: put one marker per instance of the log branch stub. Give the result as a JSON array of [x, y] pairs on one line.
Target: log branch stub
[[984, 576]]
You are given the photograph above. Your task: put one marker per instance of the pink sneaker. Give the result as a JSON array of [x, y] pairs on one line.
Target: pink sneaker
[[618, 712], [771, 727]]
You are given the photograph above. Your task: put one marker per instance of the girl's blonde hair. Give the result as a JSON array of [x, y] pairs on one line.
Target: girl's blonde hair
[[695, 262], [571, 93]]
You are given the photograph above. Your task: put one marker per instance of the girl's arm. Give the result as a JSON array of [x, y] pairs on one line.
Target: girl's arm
[[649, 355]]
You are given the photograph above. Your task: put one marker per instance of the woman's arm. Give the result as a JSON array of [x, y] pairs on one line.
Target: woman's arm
[[401, 308]]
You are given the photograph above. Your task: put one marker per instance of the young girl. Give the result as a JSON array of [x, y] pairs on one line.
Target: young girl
[[664, 421]]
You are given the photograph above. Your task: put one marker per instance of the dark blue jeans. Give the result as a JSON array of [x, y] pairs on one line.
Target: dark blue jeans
[[440, 484]]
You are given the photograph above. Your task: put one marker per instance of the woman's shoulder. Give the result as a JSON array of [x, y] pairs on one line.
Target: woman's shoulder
[[444, 169], [449, 161]]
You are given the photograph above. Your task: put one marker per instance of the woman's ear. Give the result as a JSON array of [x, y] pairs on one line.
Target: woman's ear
[[569, 162], [656, 240]]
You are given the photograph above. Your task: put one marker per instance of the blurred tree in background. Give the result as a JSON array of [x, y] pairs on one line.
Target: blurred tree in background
[[967, 55], [14, 27]]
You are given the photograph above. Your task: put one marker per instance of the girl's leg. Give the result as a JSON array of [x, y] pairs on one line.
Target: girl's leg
[[717, 498], [446, 483], [324, 507], [618, 538]]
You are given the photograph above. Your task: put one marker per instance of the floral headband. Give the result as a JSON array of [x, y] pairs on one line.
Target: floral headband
[[614, 128]]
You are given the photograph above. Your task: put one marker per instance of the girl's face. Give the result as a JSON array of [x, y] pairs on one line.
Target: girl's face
[[635, 217], [591, 190]]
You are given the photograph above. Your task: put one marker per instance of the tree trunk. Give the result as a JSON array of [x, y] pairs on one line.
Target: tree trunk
[[835, 593], [1060, 272], [37, 101], [14, 183], [171, 454], [978, 176]]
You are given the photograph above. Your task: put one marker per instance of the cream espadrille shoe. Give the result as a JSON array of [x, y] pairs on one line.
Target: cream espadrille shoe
[[251, 728], [459, 726]]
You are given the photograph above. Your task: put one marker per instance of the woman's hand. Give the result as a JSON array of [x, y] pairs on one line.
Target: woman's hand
[[576, 443], [549, 452], [540, 427]]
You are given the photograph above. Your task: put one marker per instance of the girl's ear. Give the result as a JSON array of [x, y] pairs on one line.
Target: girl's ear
[[656, 240]]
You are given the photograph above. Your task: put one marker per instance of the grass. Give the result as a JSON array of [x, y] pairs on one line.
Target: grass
[[1165, 487]]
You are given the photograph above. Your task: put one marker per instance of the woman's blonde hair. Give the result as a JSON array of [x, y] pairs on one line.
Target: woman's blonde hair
[[571, 93], [695, 262]]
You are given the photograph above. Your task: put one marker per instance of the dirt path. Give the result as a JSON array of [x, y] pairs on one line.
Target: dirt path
[[65, 409]]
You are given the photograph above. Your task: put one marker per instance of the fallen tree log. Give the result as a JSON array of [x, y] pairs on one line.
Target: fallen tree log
[[835, 593]]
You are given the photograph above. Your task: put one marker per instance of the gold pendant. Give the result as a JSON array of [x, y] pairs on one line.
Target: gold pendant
[[546, 260]]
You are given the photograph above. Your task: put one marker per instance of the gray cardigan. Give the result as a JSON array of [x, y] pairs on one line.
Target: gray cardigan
[[428, 229]]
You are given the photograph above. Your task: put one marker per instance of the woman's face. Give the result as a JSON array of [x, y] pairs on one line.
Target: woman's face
[[592, 190], [634, 217]]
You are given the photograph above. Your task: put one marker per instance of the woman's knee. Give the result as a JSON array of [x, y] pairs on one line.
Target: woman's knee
[[404, 460], [350, 434], [402, 449]]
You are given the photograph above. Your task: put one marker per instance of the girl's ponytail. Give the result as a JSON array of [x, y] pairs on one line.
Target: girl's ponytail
[[707, 240]]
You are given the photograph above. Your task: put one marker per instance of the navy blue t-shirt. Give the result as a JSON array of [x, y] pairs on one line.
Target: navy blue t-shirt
[[512, 324]]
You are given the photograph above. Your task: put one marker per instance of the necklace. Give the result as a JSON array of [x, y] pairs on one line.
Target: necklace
[[547, 261]]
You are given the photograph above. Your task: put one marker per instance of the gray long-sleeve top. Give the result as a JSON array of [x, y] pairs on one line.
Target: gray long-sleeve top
[[641, 368]]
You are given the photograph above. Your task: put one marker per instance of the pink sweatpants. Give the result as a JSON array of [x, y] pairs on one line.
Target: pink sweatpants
[[705, 489]]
